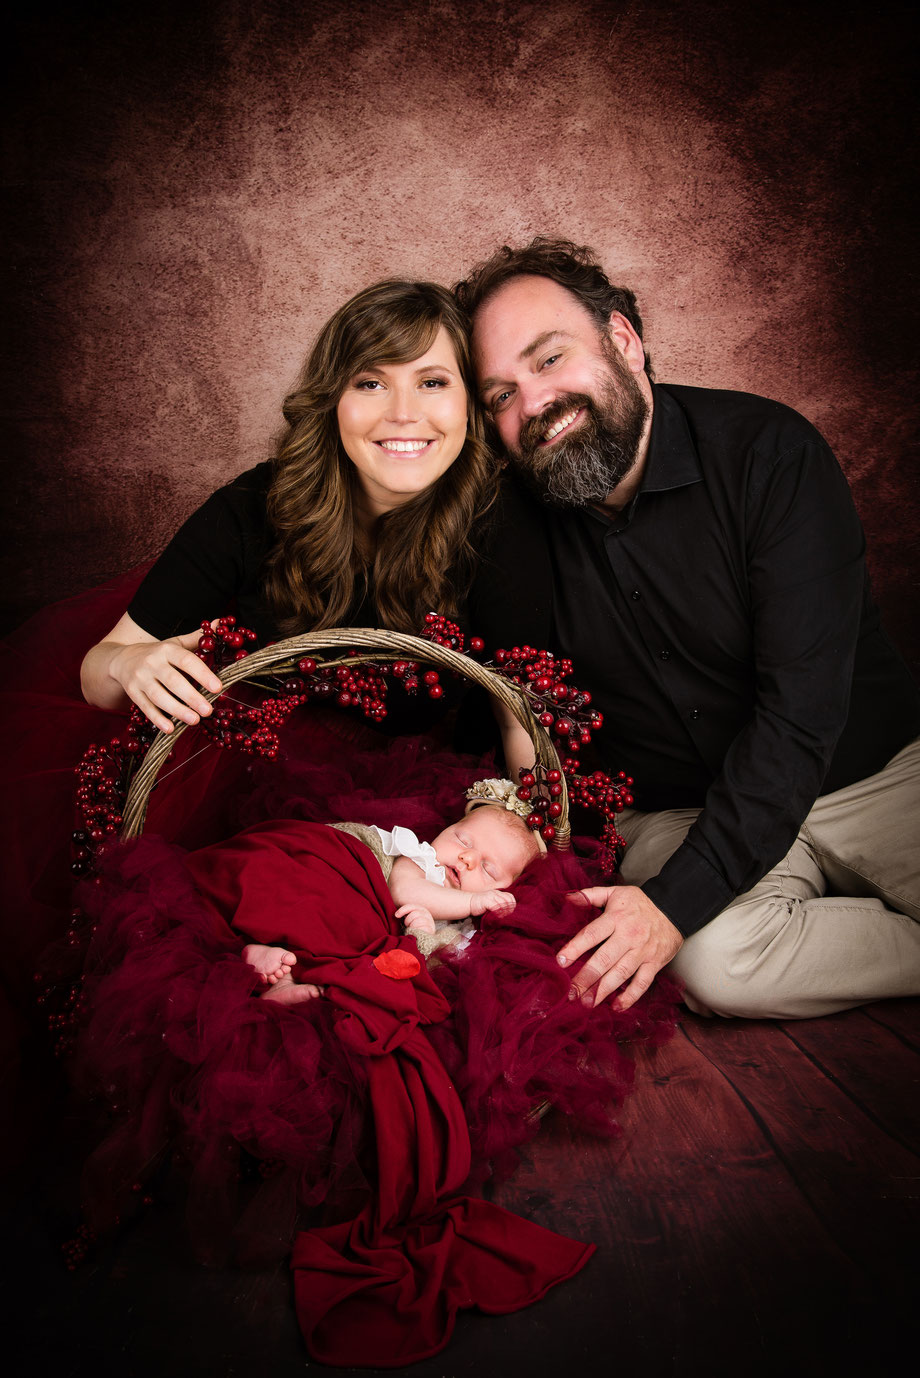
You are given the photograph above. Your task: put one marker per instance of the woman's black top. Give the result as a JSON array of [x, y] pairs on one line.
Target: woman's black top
[[215, 565]]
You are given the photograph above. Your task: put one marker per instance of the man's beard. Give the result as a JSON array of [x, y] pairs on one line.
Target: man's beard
[[585, 467]]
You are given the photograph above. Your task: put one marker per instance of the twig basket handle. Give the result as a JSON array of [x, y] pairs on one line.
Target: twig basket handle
[[377, 645]]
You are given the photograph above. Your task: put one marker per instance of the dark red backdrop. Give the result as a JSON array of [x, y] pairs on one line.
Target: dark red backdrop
[[191, 189]]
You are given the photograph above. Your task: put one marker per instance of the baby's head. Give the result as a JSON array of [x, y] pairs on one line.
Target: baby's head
[[489, 847]]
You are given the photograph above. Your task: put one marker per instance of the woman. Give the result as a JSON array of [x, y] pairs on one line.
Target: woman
[[364, 517]]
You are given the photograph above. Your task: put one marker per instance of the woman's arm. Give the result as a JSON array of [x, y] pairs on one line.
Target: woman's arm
[[516, 743], [214, 558], [131, 666]]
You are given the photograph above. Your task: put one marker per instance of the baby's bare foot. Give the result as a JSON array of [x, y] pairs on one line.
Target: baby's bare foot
[[290, 992], [272, 963]]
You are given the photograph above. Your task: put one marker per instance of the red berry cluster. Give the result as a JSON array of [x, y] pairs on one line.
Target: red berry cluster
[[542, 790], [600, 794], [65, 1018], [560, 707], [412, 677], [225, 642], [102, 786], [104, 774], [565, 711], [359, 684], [443, 632], [76, 1249], [62, 998]]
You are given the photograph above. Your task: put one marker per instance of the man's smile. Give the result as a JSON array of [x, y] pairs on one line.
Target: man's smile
[[561, 426]]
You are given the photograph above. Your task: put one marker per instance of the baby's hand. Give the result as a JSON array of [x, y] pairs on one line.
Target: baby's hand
[[416, 918], [495, 901]]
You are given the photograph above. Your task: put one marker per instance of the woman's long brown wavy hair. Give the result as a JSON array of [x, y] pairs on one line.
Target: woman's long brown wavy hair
[[318, 572]]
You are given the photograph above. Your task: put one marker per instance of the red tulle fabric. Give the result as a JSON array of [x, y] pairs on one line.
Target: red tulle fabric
[[353, 1127], [365, 1101]]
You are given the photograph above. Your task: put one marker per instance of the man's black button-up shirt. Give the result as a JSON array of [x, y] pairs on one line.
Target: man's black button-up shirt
[[725, 627]]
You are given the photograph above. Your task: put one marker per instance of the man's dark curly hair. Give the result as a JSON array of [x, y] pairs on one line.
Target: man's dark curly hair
[[573, 266]]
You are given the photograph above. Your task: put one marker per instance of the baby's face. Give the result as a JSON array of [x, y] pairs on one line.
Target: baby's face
[[483, 851]]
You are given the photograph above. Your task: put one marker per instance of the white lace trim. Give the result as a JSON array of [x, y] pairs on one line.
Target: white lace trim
[[403, 842]]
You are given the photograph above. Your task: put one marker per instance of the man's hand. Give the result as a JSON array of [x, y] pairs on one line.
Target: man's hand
[[633, 939]]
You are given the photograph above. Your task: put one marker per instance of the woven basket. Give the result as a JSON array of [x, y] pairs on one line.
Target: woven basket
[[375, 645]]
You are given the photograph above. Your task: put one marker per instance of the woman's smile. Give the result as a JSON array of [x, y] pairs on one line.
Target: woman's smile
[[410, 448]]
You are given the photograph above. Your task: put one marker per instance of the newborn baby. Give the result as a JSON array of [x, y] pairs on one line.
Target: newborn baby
[[463, 873]]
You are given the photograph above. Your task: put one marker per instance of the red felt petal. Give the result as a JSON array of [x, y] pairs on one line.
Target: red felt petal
[[402, 966]]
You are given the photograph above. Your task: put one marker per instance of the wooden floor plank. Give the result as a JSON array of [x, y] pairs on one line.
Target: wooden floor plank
[[902, 1017], [870, 1063], [709, 1246], [860, 1181]]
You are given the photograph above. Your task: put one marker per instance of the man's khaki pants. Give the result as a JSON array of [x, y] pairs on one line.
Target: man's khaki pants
[[835, 924]]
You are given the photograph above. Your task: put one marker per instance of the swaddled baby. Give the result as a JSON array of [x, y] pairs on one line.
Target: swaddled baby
[[438, 886]]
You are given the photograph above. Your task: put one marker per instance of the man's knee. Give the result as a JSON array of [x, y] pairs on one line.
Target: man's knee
[[735, 969]]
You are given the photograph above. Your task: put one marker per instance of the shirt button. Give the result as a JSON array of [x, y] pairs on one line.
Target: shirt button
[[635, 595], [694, 713], [664, 655]]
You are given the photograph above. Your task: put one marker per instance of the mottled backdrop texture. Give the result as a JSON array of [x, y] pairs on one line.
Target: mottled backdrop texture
[[192, 188]]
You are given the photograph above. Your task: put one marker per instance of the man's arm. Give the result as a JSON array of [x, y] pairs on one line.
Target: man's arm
[[806, 584], [805, 588]]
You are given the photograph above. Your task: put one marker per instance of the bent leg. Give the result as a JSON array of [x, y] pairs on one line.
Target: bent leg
[[785, 949], [867, 836], [773, 955]]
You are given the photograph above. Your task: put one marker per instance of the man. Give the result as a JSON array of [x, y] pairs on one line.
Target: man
[[697, 555]]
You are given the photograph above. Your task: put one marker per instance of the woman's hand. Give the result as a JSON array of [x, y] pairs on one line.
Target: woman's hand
[[161, 677]]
